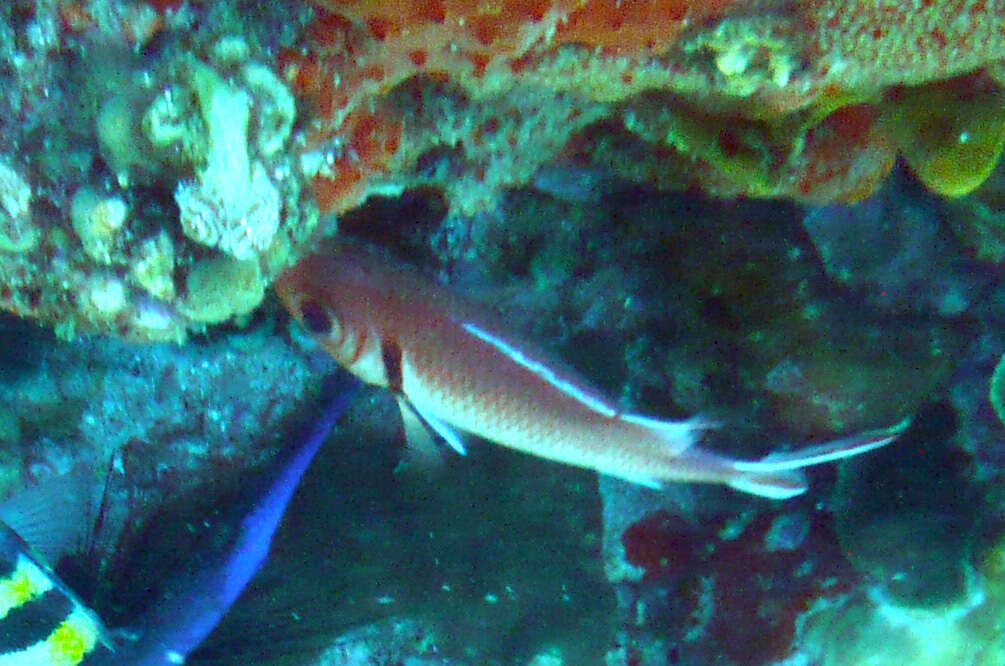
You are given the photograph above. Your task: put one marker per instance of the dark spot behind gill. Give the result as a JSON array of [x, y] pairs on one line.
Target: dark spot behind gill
[[390, 352]]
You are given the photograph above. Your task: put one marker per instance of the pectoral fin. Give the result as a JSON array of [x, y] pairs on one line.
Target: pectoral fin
[[419, 425], [421, 452], [56, 516]]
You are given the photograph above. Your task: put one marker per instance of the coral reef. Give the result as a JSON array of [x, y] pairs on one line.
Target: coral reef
[[16, 232], [596, 171], [804, 102], [733, 590], [871, 628], [177, 162], [167, 419], [233, 205], [193, 129], [979, 219], [908, 243], [912, 541]]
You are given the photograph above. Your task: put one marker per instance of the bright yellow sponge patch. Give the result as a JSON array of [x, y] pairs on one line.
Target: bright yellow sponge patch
[[73, 639], [25, 583], [951, 134]]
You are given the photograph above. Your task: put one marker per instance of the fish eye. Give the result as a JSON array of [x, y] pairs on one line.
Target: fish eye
[[316, 318]]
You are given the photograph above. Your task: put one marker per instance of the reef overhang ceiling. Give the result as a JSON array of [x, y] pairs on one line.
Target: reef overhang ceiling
[[317, 106], [808, 100]]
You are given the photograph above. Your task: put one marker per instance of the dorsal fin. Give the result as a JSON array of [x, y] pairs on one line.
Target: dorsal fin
[[678, 435]]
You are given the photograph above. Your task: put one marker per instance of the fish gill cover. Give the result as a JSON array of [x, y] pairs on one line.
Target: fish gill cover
[[785, 217]]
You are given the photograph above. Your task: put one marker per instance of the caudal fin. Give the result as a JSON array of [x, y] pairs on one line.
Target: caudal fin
[[777, 475]]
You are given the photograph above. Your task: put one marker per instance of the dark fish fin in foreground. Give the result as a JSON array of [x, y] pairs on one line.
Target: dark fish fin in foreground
[[55, 517], [42, 621], [778, 475], [180, 622]]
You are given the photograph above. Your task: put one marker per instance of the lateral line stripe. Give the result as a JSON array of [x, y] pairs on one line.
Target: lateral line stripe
[[541, 370]]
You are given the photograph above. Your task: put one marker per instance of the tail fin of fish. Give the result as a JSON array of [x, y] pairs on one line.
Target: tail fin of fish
[[770, 484], [778, 475]]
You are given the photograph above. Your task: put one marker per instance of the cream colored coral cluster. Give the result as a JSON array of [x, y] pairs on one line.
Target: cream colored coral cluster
[[215, 126], [232, 203], [16, 232], [93, 245]]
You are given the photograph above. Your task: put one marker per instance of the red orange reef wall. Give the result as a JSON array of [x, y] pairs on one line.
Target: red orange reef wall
[[156, 154], [808, 100]]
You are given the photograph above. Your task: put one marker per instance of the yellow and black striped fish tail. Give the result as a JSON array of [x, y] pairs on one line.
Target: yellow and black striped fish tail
[[41, 622]]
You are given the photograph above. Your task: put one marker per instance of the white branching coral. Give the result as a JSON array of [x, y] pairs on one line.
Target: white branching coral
[[240, 219], [232, 204]]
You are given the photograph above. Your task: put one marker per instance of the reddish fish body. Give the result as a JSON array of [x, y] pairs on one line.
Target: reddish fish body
[[458, 369]]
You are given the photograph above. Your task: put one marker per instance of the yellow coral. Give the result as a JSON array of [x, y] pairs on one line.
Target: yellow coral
[[97, 220], [951, 135], [220, 288]]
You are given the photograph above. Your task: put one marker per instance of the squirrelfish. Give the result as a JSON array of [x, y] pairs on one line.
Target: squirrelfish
[[455, 368]]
